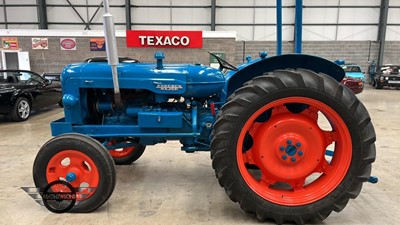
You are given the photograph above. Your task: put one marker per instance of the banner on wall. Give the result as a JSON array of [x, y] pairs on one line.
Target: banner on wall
[[9, 42], [97, 44], [164, 39], [68, 43], [40, 43]]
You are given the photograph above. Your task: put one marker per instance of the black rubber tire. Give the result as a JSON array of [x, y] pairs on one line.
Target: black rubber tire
[[93, 149], [273, 86], [15, 115], [135, 155]]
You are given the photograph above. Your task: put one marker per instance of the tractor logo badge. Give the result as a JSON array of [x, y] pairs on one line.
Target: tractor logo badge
[[169, 87]]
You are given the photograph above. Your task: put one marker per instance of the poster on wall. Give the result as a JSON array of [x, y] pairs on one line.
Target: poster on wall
[[40, 43], [68, 43], [9, 42], [97, 44]]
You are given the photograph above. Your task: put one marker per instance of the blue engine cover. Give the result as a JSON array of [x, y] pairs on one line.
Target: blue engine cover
[[187, 80]]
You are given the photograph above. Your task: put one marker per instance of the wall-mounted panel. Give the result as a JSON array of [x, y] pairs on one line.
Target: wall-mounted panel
[[151, 15], [359, 15], [350, 33], [21, 14], [319, 33], [320, 15], [184, 15]]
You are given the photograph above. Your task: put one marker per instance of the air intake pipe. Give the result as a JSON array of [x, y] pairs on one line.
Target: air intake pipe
[[112, 51]]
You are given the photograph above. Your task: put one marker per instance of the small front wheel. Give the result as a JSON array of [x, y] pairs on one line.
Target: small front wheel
[[81, 161]]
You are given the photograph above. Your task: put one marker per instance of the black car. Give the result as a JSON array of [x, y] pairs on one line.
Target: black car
[[20, 90], [387, 75]]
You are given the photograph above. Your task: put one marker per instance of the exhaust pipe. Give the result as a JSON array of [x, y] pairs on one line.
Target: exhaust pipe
[[112, 51]]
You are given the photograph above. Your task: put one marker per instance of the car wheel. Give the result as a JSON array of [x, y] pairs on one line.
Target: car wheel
[[21, 110]]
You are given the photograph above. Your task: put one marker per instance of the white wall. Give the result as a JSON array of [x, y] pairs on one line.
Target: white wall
[[324, 20]]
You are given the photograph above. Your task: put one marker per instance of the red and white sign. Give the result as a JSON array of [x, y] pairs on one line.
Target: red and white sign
[[164, 39], [68, 43]]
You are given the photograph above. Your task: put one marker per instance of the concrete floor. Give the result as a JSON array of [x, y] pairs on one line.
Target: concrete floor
[[167, 186]]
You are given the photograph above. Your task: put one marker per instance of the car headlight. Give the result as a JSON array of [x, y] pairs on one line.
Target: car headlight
[[386, 78], [380, 78]]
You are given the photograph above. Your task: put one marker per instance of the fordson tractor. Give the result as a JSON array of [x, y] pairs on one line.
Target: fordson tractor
[[287, 141]]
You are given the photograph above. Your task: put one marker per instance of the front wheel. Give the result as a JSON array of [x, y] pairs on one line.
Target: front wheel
[[82, 162], [284, 122], [127, 155], [21, 110]]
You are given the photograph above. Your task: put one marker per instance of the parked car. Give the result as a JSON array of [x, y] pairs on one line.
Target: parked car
[[387, 75], [52, 76], [22, 90], [104, 59], [354, 71], [355, 84]]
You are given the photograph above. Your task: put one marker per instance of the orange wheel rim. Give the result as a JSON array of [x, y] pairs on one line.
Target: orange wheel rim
[[281, 151], [77, 168], [121, 153]]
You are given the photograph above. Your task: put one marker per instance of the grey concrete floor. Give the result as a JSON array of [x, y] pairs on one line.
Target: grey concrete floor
[[167, 186]]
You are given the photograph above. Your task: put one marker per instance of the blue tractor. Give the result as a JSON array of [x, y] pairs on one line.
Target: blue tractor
[[268, 124]]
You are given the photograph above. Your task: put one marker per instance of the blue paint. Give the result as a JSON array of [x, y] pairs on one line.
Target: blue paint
[[298, 33], [291, 150], [163, 102], [70, 177], [278, 27], [159, 56]]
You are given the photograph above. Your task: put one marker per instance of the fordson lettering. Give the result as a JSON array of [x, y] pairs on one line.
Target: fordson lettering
[[164, 40], [169, 87]]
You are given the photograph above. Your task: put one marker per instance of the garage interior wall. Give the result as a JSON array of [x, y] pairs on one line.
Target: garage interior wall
[[334, 29]]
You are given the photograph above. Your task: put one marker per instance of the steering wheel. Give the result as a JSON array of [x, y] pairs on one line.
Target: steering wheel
[[223, 63]]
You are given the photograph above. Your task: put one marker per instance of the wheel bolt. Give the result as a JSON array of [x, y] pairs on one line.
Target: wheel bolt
[[298, 144], [293, 159], [300, 153], [70, 177], [289, 142], [284, 157], [281, 148]]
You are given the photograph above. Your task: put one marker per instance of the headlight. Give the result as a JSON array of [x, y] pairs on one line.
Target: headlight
[[386, 78], [380, 78]]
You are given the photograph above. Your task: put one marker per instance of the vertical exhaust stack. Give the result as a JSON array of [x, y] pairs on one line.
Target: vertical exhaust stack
[[112, 51]]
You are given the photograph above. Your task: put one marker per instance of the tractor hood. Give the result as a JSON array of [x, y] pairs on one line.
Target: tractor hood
[[186, 80]]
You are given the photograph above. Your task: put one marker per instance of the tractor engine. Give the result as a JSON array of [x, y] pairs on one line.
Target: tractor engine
[[160, 99]]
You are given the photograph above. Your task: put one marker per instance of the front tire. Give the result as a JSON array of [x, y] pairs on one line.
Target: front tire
[[127, 155], [21, 110], [83, 162], [283, 123]]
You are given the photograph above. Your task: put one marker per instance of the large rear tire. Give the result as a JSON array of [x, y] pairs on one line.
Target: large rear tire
[[283, 123]]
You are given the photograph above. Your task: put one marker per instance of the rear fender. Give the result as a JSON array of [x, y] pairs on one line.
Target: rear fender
[[235, 80]]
